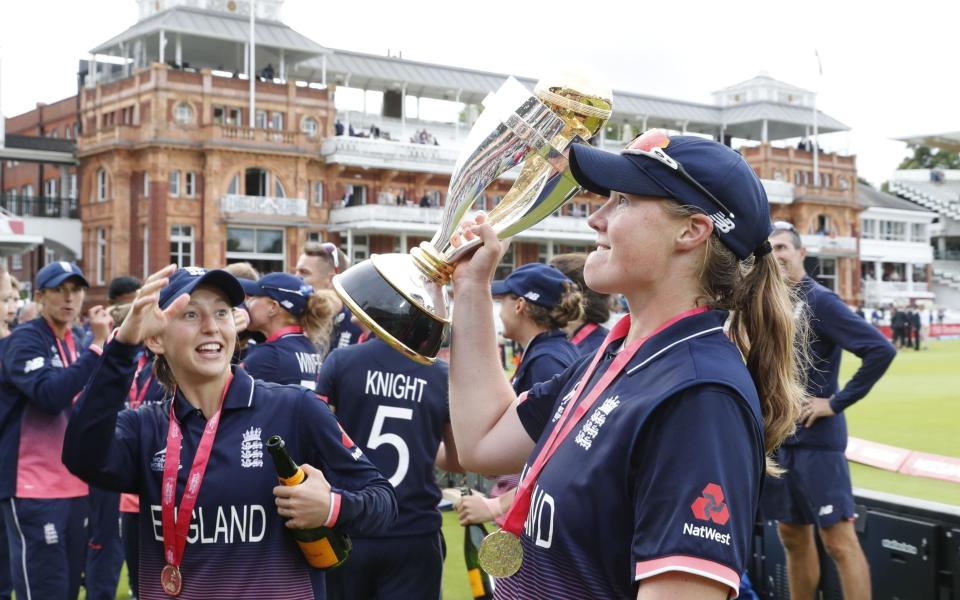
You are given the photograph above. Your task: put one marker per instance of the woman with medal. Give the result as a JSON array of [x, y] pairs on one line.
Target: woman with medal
[[642, 464], [203, 446]]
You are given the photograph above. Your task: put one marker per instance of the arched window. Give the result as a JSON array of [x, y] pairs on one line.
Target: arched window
[[183, 114], [310, 126]]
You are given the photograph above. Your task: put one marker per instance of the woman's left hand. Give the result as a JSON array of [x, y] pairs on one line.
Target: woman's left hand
[[306, 505]]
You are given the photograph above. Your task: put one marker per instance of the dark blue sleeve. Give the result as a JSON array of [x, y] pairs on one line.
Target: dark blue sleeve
[[327, 385], [541, 368], [262, 362], [537, 405], [837, 323], [101, 446], [366, 501], [51, 389], [696, 468]]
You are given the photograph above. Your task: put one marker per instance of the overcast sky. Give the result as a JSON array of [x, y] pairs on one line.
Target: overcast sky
[[888, 68]]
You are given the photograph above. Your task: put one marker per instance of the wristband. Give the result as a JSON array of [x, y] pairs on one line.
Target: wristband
[[493, 504]]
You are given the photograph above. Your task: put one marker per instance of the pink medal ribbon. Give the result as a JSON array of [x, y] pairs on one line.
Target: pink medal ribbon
[[174, 528]]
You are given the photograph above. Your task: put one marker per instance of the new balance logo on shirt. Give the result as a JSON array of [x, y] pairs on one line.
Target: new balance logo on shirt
[[33, 364]]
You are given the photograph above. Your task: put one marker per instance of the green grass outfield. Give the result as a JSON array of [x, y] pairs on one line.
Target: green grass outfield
[[916, 405]]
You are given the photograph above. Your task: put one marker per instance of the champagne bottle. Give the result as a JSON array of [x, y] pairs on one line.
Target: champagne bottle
[[481, 584], [323, 547]]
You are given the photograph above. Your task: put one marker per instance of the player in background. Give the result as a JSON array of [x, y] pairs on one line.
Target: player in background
[[289, 314], [317, 265], [816, 488], [397, 411], [44, 506], [588, 332]]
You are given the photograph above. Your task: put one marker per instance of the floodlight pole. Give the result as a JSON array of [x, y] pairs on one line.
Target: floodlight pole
[[251, 72], [816, 143]]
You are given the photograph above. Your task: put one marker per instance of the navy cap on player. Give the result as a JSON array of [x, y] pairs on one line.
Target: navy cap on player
[[55, 273], [288, 290], [691, 170], [541, 284], [185, 280]]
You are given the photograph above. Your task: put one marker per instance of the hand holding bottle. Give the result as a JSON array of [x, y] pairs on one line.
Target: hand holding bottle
[[306, 505]]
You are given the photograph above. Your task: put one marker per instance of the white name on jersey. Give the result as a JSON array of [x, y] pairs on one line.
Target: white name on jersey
[[395, 385], [309, 363], [539, 525], [231, 524]]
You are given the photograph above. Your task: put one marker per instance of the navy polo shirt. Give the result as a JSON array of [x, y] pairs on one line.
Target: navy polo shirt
[[835, 328], [588, 337], [547, 354], [344, 333], [662, 473], [396, 410], [289, 359], [37, 391], [235, 530]]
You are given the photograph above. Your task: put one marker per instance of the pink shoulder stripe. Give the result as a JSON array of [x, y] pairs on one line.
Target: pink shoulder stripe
[[690, 564]]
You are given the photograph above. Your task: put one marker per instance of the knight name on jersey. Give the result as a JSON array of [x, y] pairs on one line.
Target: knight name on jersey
[[706, 532], [309, 363], [225, 525], [395, 385]]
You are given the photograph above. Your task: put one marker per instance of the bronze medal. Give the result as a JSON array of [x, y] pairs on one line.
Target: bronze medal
[[501, 554], [171, 580]]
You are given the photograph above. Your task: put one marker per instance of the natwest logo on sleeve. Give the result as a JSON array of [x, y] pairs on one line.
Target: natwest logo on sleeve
[[710, 506]]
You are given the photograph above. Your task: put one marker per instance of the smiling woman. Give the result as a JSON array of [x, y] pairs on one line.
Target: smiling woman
[[209, 431], [642, 463]]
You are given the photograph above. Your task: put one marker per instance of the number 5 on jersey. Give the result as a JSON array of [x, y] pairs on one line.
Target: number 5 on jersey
[[378, 438]]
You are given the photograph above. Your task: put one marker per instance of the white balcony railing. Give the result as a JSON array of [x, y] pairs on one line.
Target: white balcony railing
[[828, 245], [365, 152], [263, 205], [891, 291], [425, 221]]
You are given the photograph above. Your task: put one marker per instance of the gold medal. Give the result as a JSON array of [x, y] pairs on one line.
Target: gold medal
[[501, 554], [171, 580]]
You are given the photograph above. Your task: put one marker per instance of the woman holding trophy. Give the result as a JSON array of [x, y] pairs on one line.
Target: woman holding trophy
[[642, 464]]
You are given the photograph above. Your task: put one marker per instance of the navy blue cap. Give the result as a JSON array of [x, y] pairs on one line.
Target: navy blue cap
[[719, 169], [288, 290], [55, 273], [184, 281], [544, 285]]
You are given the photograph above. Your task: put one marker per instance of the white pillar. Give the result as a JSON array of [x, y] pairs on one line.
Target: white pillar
[[878, 270], [2, 119], [456, 126], [349, 246], [763, 135], [403, 112], [403, 242], [163, 46], [92, 75], [251, 72], [550, 250], [644, 123], [283, 66], [909, 277], [323, 69], [126, 65], [178, 55], [246, 58]]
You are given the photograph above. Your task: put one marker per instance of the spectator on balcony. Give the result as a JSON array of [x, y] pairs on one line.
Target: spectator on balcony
[[425, 201], [267, 72], [338, 127]]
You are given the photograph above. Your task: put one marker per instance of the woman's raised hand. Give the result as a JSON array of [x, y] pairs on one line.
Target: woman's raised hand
[[145, 317], [481, 265]]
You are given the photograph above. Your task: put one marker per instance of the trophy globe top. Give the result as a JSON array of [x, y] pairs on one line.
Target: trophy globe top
[[584, 102]]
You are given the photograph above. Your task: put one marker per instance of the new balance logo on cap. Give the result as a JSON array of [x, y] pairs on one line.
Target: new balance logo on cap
[[532, 296], [710, 506], [195, 271], [67, 268], [723, 222]]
